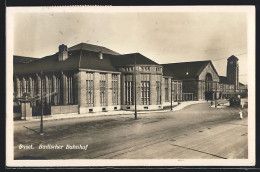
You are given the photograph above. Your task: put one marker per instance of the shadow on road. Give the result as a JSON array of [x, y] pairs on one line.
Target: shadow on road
[[37, 132]]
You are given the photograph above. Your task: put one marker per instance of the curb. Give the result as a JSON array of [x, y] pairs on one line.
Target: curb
[[70, 116]]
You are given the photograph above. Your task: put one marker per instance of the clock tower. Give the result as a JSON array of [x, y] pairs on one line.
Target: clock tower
[[233, 71]]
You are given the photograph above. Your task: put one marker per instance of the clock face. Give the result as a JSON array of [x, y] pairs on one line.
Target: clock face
[[231, 62]]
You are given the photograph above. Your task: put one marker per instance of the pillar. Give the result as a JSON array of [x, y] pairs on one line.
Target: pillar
[[24, 85], [26, 110], [96, 89], [138, 89], [17, 85], [47, 94], [109, 89], [64, 89], [39, 86], [81, 88], [55, 96], [31, 86], [122, 98], [180, 90], [153, 89], [163, 90], [75, 87], [119, 90]]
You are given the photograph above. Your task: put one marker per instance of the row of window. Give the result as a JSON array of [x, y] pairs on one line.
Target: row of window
[[176, 89], [145, 89], [49, 87], [103, 89], [226, 87], [142, 68], [53, 87]]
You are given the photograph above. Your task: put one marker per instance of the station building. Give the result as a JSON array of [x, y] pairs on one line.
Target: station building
[[87, 78], [201, 79]]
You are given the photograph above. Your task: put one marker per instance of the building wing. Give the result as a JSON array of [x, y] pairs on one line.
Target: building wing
[[186, 70], [224, 80]]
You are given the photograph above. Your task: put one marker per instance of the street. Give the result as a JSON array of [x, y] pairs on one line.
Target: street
[[195, 132]]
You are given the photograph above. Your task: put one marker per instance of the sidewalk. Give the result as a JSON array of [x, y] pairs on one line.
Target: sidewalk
[[108, 113]]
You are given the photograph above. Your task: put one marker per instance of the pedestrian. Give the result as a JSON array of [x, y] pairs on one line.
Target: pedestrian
[[241, 114], [242, 104]]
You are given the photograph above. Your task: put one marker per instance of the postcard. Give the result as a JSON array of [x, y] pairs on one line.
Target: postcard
[[130, 86]]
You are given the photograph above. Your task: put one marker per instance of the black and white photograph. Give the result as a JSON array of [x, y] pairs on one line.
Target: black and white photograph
[[130, 86]]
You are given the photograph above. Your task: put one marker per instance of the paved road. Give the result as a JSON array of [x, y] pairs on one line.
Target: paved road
[[194, 132]]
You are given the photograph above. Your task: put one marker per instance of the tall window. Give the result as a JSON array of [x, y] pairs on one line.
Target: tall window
[[49, 90], [90, 89], [103, 92], [209, 82], [175, 90], [166, 81], [27, 85], [21, 87], [114, 89], [180, 90], [70, 89], [145, 89], [34, 86], [158, 90], [43, 88], [58, 96], [129, 89]]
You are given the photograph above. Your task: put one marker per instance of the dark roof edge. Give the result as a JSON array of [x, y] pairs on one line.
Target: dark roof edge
[[185, 62], [25, 56]]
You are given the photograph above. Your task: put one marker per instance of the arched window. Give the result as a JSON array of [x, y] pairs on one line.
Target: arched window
[[208, 82]]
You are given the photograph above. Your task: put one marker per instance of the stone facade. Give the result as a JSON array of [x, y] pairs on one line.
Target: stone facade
[[66, 82], [148, 80], [85, 81]]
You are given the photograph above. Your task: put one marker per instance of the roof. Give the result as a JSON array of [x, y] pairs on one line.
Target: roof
[[241, 84], [90, 60], [83, 59], [167, 72], [224, 80], [131, 59], [94, 48], [50, 64], [78, 59], [232, 58], [193, 68], [23, 59]]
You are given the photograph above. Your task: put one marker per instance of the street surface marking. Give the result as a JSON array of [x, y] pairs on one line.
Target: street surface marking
[[198, 151]]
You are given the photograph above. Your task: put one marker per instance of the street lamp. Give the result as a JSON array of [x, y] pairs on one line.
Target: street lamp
[[171, 94]]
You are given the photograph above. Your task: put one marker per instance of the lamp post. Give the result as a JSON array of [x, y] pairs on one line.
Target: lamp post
[[135, 86], [41, 125], [171, 94]]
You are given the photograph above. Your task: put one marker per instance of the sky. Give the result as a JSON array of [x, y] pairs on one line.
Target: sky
[[165, 37]]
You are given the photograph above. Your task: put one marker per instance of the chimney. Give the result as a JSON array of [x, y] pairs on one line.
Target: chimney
[[100, 55], [63, 52]]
